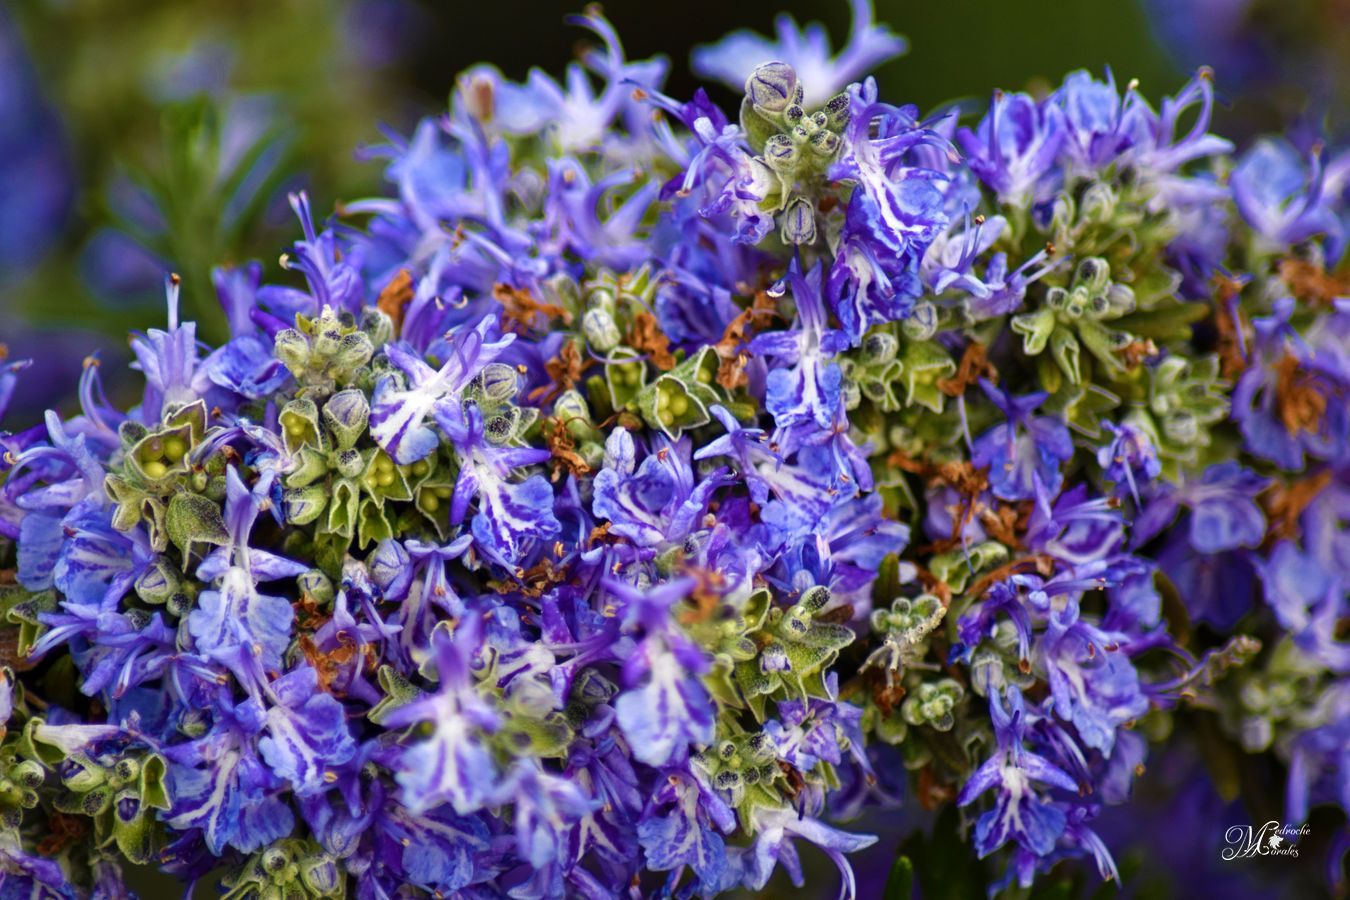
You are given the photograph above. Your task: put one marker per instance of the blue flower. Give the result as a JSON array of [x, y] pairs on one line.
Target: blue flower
[[1024, 452], [1020, 813], [806, 50], [306, 732], [1283, 199], [453, 765], [1094, 684], [219, 784], [1015, 148], [400, 407]]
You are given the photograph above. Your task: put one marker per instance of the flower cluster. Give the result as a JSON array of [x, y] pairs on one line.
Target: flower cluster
[[640, 491]]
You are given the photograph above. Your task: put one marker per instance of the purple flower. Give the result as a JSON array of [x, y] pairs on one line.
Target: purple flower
[[1130, 458], [1099, 127], [806, 50], [657, 503], [1015, 147], [1025, 451], [1094, 684], [687, 834], [453, 764], [511, 516], [1294, 396], [306, 732], [1224, 512], [777, 828], [220, 785], [1021, 813], [1282, 198]]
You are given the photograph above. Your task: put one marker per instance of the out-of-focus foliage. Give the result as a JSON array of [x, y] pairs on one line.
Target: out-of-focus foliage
[[149, 136]]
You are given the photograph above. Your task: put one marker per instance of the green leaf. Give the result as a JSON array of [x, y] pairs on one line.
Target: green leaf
[[194, 519], [900, 883]]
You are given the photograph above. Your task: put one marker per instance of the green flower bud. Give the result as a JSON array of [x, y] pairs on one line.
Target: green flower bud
[[345, 415], [601, 331], [880, 347], [921, 323], [157, 583], [824, 143], [799, 222], [772, 87], [303, 505], [315, 585], [781, 153], [321, 875], [347, 463], [498, 383], [837, 112], [292, 348]]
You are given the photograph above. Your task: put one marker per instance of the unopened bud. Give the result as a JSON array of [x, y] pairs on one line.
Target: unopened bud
[[772, 87]]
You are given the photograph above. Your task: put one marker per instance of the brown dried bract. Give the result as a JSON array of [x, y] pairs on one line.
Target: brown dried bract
[[968, 480], [327, 665], [564, 371], [1310, 282], [1008, 523], [522, 312], [1231, 361], [395, 297], [646, 337], [974, 365], [1039, 563], [705, 598], [934, 585], [933, 793], [308, 615], [731, 368], [1137, 352], [887, 692], [63, 831], [563, 448], [1298, 397], [1285, 504]]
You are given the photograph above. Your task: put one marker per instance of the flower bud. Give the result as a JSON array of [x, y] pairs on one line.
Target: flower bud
[[304, 505], [497, 383], [781, 153], [315, 585], [321, 875], [837, 112], [346, 414], [1093, 273], [292, 348], [799, 222], [354, 351], [157, 583], [772, 87], [922, 322], [391, 569], [601, 331]]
